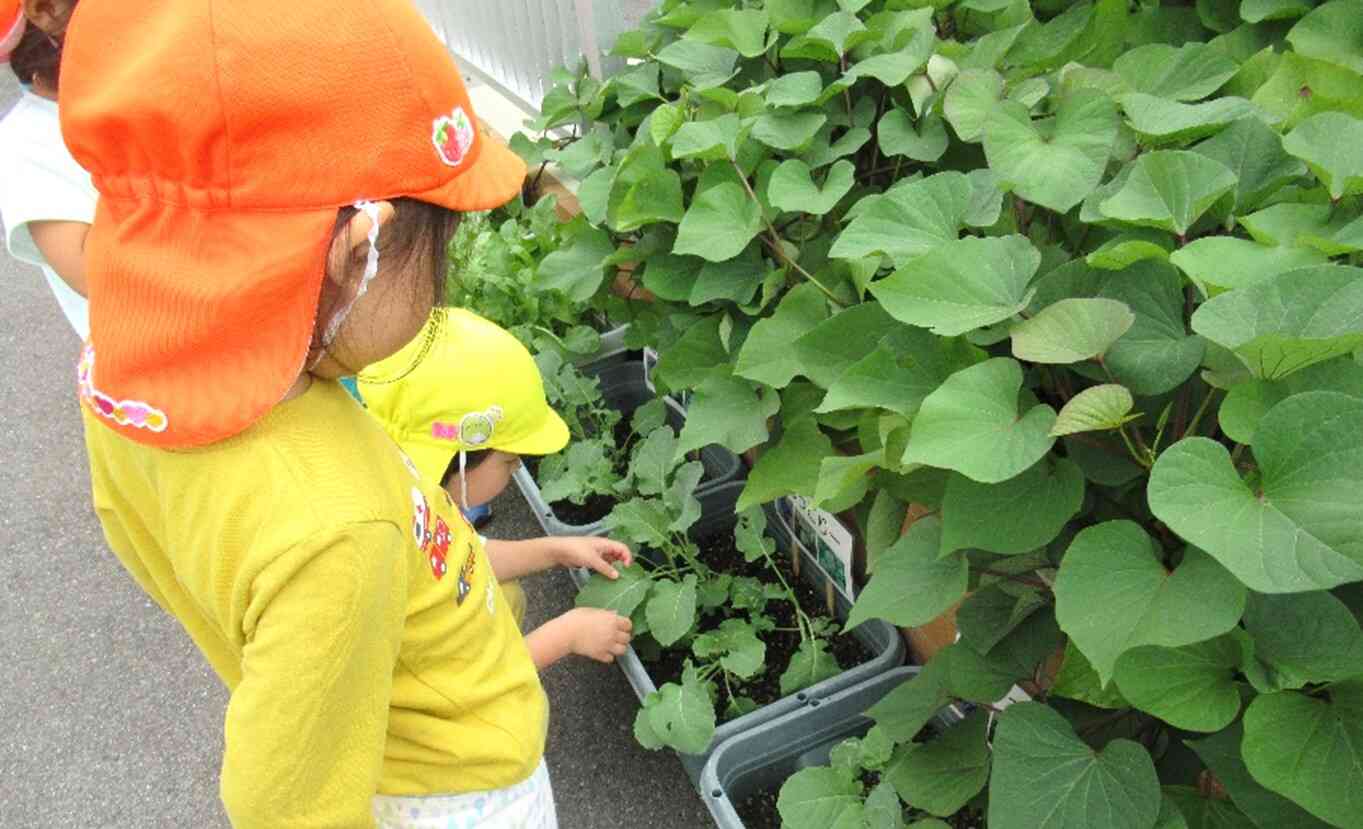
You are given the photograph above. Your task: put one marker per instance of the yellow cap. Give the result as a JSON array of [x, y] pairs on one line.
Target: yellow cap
[[462, 384]]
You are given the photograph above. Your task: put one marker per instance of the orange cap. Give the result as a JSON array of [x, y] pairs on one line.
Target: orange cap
[[223, 137], [12, 24]]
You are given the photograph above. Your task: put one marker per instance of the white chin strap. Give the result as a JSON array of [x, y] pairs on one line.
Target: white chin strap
[[371, 270], [463, 482]]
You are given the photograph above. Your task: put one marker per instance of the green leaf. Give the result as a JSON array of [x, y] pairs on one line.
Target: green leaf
[[1195, 811], [904, 711], [883, 810], [1107, 463], [905, 367], [790, 467], [910, 220], [1332, 88], [817, 798], [736, 644], [974, 677], [836, 344], [577, 268], [812, 663], [1317, 226], [1254, 11], [843, 480], [1292, 532], [829, 39], [640, 520], [721, 220], [892, 68], [682, 716], [653, 461], [705, 66], [912, 585], [942, 775], [767, 355], [643, 191], [990, 614], [671, 610], [1254, 152], [1131, 247], [1247, 402], [1071, 330], [821, 152], [899, 136], [1045, 46], [962, 285], [788, 130], [1094, 409], [727, 411], [750, 535], [1187, 73], [1221, 263], [1268, 810], [621, 595], [792, 188], [691, 360], [637, 85], [664, 122], [970, 99], [680, 499], [1055, 162], [972, 425], [1160, 121], [1331, 144], [1113, 594], [1332, 32], [744, 30], [1192, 687], [794, 89], [1169, 190], [1078, 680], [1305, 638], [1045, 777], [1309, 749], [1015, 516], [715, 139], [1290, 321]]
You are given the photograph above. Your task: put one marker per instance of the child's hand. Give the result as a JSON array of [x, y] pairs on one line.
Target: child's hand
[[598, 634], [592, 553]]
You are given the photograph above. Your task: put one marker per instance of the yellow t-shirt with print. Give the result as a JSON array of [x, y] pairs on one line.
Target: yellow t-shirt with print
[[346, 604]]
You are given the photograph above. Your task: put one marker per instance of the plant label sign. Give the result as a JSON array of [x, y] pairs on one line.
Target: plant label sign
[[825, 540]]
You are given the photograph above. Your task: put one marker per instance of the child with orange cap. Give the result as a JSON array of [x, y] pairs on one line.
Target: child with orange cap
[[277, 185], [473, 404], [46, 200]]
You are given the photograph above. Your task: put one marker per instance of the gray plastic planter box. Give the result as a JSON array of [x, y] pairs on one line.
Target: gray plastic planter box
[[612, 345], [622, 386], [882, 640], [766, 756]]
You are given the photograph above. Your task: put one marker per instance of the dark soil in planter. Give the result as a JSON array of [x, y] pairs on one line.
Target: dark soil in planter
[[758, 811], [720, 553]]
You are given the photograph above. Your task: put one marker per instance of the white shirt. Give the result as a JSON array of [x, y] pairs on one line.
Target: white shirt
[[40, 181]]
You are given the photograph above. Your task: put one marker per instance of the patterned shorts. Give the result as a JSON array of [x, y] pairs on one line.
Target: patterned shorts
[[526, 805]]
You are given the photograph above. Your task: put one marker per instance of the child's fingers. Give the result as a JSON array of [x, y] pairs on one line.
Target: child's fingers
[[618, 649], [623, 623], [603, 567]]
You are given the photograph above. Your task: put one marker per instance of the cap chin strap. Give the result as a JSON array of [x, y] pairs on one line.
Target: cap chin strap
[[371, 270], [463, 482]]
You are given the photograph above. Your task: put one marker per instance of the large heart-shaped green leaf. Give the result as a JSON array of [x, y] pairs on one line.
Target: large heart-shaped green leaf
[[671, 609], [1071, 330], [925, 141], [1045, 777], [906, 366], [768, 355], [969, 100], [1254, 152], [1015, 516], [728, 411], [1290, 321], [792, 189], [721, 220], [962, 285], [788, 130], [1246, 402], [743, 30], [942, 775], [621, 595], [1331, 144], [1094, 409], [1255, 11], [794, 89], [643, 191], [1311, 750], [579, 267], [972, 425], [1170, 190], [1055, 162], [1220, 263], [1304, 638], [1316, 226], [911, 584], [705, 66], [1332, 32], [903, 712], [1161, 121], [1112, 593], [1078, 680], [908, 221], [1192, 687], [1187, 73], [836, 344], [789, 467], [1221, 753], [713, 139], [1296, 530]]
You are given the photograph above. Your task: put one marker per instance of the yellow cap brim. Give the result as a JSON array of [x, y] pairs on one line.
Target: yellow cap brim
[[546, 439]]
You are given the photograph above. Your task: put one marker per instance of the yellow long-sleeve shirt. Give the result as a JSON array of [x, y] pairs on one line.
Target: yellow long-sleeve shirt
[[346, 604]]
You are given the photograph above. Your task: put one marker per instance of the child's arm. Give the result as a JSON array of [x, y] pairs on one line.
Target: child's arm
[[513, 559], [63, 246], [586, 631]]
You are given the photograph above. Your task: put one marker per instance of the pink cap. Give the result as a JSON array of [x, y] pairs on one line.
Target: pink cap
[[12, 23]]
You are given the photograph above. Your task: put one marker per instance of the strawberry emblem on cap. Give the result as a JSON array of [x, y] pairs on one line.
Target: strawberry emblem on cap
[[453, 136]]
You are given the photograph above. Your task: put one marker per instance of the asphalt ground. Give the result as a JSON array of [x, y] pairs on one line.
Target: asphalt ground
[[108, 715]]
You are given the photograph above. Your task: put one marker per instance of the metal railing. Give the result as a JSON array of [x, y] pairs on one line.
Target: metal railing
[[515, 44]]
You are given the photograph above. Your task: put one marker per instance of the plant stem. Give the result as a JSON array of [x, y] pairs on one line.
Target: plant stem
[[1130, 447], [1197, 418], [774, 239]]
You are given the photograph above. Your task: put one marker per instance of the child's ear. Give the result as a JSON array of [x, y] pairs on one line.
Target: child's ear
[[352, 242]]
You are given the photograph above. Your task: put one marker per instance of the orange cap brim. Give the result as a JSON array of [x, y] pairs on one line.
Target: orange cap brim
[[494, 178]]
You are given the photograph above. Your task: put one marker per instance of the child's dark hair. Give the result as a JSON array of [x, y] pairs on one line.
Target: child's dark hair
[[37, 59], [416, 236], [472, 460]]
